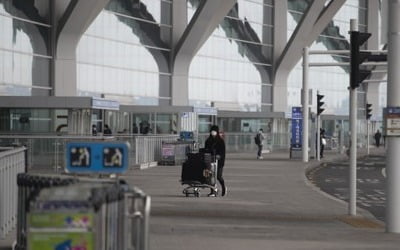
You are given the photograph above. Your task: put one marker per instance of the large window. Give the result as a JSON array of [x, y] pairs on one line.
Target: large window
[[24, 52], [123, 54], [233, 67], [329, 81]]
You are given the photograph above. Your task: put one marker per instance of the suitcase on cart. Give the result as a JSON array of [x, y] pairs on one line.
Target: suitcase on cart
[[199, 172]]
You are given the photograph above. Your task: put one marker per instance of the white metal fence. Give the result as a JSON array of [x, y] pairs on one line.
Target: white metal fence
[[244, 142], [148, 148], [47, 152], [12, 162]]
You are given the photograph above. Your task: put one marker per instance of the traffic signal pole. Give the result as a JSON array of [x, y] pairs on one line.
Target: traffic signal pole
[[393, 143], [352, 206], [318, 140], [367, 137], [305, 105]]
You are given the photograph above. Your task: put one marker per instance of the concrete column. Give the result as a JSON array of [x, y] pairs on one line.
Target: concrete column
[[208, 16], [373, 25], [372, 89], [312, 24], [179, 20], [280, 24], [393, 143], [73, 23]]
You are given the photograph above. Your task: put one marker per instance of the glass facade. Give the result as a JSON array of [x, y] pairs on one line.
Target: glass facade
[[24, 52], [232, 70], [329, 81], [124, 54]]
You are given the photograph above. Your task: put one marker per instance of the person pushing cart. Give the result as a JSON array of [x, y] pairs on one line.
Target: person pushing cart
[[216, 146]]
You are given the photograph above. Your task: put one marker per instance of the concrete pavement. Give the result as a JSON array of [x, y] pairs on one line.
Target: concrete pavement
[[270, 205]]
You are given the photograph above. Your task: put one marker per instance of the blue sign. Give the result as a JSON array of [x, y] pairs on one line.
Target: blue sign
[[96, 157], [101, 103], [393, 110], [205, 110], [297, 128]]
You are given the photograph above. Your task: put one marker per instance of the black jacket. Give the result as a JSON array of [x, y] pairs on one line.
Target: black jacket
[[216, 145]]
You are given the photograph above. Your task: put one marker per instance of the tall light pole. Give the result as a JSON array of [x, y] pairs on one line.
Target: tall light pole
[[305, 104], [393, 100]]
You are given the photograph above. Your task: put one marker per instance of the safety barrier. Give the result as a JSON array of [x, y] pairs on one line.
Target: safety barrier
[[47, 152], [12, 162], [148, 148], [244, 142]]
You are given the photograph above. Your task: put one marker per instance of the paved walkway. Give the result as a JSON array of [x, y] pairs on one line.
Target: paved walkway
[[270, 205]]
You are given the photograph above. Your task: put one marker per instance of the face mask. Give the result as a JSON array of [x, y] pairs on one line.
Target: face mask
[[214, 133]]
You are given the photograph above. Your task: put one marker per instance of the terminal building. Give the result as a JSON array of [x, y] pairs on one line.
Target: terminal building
[[165, 66]]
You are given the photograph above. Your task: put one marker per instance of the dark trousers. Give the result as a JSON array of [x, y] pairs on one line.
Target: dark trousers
[[221, 180], [321, 153], [377, 142], [219, 176], [260, 147]]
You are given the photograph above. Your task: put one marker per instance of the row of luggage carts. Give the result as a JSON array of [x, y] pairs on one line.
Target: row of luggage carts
[[199, 171], [80, 213]]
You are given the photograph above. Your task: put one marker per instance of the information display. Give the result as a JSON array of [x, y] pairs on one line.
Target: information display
[[297, 128], [97, 157], [392, 123]]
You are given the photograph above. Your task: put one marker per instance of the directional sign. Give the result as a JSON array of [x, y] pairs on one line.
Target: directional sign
[[297, 128], [392, 121], [97, 157]]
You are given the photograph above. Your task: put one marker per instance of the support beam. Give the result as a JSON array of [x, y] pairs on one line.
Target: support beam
[[208, 16], [76, 19], [377, 74], [179, 20], [314, 21]]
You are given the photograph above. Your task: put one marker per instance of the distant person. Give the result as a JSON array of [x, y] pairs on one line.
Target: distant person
[[216, 145], [107, 130], [377, 137], [322, 142], [135, 129], [259, 141], [94, 129]]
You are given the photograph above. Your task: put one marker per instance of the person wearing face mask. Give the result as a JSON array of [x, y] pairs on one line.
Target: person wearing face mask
[[216, 145]]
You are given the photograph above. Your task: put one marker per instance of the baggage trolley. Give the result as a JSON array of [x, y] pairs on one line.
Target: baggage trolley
[[60, 212], [199, 172]]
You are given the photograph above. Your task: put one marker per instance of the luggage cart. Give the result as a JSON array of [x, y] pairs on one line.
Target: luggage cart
[[199, 172], [81, 212]]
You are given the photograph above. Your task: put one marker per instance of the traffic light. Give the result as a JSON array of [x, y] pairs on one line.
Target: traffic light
[[319, 104], [357, 57], [368, 111]]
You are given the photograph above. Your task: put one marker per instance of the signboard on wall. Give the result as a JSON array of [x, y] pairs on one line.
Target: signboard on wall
[[297, 128], [392, 121], [101, 103], [205, 110]]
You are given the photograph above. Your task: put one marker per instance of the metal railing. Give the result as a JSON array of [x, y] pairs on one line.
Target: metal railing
[[47, 152], [145, 149], [244, 142], [12, 162], [137, 208]]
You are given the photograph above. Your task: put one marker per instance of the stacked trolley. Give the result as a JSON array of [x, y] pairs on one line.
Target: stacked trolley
[[199, 171], [83, 213]]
